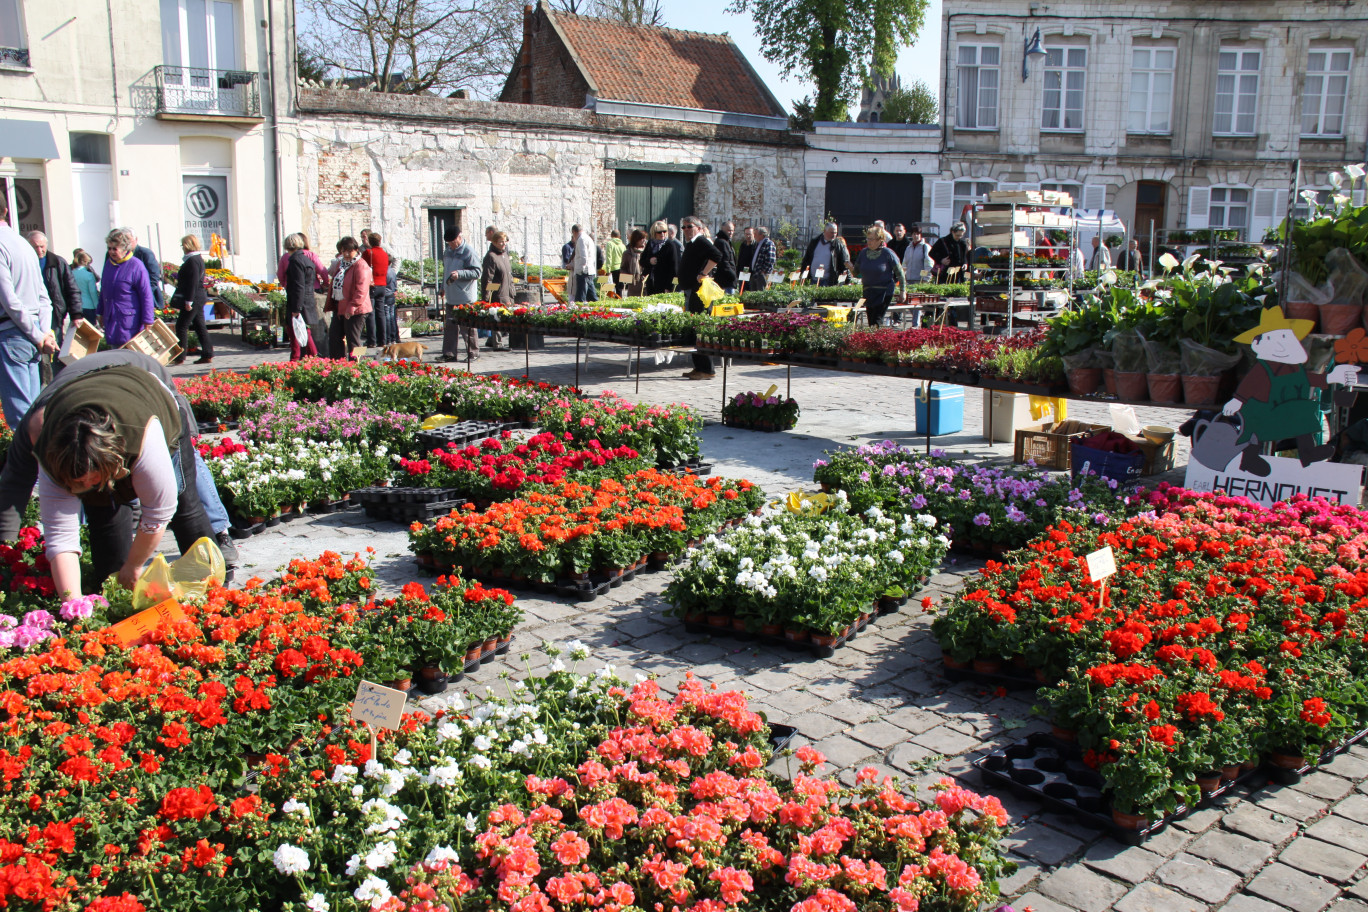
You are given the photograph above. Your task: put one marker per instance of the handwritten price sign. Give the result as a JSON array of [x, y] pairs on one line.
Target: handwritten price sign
[[135, 630], [377, 706]]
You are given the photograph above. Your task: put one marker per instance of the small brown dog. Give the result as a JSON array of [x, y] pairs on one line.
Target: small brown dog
[[403, 351]]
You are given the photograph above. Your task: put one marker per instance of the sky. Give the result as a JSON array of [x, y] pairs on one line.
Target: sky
[[920, 61]]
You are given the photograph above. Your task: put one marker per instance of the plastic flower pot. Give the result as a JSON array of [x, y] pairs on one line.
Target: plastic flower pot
[[1231, 772], [1109, 380], [1132, 385], [988, 666], [1084, 381], [1200, 390], [1209, 780], [1284, 758], [1129, 821], [950, 662], [1338, 319], [1302, 310], [1165, 387]]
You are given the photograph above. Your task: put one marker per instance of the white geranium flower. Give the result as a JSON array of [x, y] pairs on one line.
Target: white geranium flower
[[445, 775], [290, 859], [293, 806], [382, 856], [480, 761], [343, 772], [440, 854], [373, 890], [578, 651], [482, 743], [317, 903]]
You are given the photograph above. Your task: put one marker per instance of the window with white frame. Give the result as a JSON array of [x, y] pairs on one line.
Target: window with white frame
[[13, 46], [1327, 87], [200, 33], [971, 191], [1151, 90], [1237, 91], [978, 66], [1066, 70], [1229, 209]]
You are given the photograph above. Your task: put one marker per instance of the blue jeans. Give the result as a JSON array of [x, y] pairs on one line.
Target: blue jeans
[[19, 382], [586, 287], [209, 496]]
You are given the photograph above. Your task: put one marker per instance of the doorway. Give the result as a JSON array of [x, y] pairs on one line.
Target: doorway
[[438, 221], [856, 199], [642, 197], [1149, 211]]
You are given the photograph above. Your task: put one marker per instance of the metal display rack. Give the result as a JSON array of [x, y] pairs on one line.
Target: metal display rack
[[1012, 226]]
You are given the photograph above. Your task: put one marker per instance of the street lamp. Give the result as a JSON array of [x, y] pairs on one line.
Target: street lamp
[[1034, 50]]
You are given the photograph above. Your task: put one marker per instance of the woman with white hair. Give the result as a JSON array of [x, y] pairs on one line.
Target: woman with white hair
[[881, 272], [126, 304]]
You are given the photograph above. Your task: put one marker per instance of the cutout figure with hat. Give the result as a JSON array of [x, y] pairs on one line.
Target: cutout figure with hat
[[1279, 399]]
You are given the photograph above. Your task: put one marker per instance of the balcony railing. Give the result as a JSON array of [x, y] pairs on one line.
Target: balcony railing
[[14, 57], [209, 93]]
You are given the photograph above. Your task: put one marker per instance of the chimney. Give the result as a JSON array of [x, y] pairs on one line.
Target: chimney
[[525, 58]]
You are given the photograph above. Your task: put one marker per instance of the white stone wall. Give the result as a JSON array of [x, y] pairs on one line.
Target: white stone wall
[[533, 183], [1104, 154]]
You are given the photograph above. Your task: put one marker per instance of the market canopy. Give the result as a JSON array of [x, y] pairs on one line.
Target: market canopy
[[1091, 221], [29, 139]]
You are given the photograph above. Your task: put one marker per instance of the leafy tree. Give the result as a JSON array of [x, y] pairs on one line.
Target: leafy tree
[[800, 121], [309, 68], [412, 46], [835, 42], [914, 104]]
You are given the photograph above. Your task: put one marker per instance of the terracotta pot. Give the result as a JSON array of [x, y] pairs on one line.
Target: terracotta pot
[[795, 636], [1129, 821], [1201, 390], [1248, 765], [1109, 380], [496, 573], [1302, 310], [988, 666], [950, 662], [771, 630], [1231, 772], [1283, 759], [826, 487], [426, 560], [823, 639], [1209, 781], [1132, 385], [719, 620], [474, 652], [1063, 734], [1165, 387], [1019, 662], [1084, 381], [697, 617], [739, 625], [1338, 319], [402, 683], [1040, 676]]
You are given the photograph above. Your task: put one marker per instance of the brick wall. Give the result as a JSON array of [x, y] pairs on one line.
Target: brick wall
[[344, 178]]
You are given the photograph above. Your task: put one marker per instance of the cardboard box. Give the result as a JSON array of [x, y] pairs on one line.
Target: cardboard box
[[83, 340], [1159, 457], [1003, 413]]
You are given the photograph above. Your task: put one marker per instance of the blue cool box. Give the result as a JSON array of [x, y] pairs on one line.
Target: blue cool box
[[946, 407]]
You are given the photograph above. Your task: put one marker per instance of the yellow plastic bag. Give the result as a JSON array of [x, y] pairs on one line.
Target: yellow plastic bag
[[709, 291], [810, 504], [435, 421], [188, 577], [835, 313], [1048, 405]]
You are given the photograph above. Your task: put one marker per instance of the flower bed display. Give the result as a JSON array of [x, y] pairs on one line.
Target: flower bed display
[[804, 576], [256, 482], [1230, 633], [278, 419], [758, 412], [572, 530], [221, 395], [989, 509], [500, 467], [674, 433]]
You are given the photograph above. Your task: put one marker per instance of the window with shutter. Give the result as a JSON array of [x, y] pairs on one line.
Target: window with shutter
[[1199, 205], [1094, 196], [942, 205]]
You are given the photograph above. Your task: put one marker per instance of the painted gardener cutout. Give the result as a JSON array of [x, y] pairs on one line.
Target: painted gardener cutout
[[1278, 398]]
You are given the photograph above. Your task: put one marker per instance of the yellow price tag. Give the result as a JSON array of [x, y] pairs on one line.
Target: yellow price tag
[[774, 388]]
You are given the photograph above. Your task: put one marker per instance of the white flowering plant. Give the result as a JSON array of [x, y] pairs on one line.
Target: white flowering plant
[[258, 480], [801, 571]]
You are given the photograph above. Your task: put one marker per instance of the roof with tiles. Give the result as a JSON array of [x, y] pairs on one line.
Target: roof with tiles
[[664, 66]]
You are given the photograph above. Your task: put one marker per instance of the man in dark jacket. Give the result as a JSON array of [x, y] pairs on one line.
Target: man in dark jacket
[[951, 251], [726, 267], [66, 297], [154, 269], [699, 260], [827, 255], [746, 257], [763, 259]]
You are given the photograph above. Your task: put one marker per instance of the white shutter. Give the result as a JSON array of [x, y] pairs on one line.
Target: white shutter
[[942, 205], [1265, 214], [1094, 196], [1199, 207], [1356, 196]]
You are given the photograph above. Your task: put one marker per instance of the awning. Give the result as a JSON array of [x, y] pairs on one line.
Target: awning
[[31, 139]]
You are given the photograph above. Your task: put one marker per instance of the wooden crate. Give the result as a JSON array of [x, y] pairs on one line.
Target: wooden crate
[[83, 340], [157, 341], [405, 315], [1048, 444]]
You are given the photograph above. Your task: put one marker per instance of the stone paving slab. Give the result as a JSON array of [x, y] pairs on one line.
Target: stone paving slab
[[886, 704]]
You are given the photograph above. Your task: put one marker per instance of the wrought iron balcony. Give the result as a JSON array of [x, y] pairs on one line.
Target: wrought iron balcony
[[14, 57], [195, 92]]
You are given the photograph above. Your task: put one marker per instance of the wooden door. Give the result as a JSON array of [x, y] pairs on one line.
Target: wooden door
[[1149, 211]]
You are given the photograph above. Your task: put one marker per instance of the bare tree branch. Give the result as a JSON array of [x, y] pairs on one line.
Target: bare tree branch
[[414, 46]]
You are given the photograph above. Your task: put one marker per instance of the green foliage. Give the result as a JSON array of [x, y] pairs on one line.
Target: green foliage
[[914, 104], [837, 44], [1311, 241]]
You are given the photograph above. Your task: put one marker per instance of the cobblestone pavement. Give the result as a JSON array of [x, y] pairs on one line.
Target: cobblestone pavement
[[881, 700]]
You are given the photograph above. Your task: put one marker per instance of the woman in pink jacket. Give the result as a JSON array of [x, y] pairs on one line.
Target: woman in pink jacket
[[351, 284]]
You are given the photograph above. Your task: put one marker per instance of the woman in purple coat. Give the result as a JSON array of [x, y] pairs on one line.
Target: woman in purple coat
[[126, 305]]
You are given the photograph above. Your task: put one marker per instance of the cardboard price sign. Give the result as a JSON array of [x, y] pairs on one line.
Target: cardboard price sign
[[135, 630], [377, 706], [1101, 564]]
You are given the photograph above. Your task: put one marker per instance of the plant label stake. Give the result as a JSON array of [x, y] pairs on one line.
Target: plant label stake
[[1101, 564], [378, 707]]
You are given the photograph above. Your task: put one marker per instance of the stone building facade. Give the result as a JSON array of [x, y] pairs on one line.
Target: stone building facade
[[1176, 114], [406, 166]]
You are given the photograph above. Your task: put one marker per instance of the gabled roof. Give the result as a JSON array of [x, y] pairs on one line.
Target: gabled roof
[[664, 66]]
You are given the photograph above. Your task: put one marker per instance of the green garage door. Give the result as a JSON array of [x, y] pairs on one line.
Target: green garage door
[[644, 196]]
